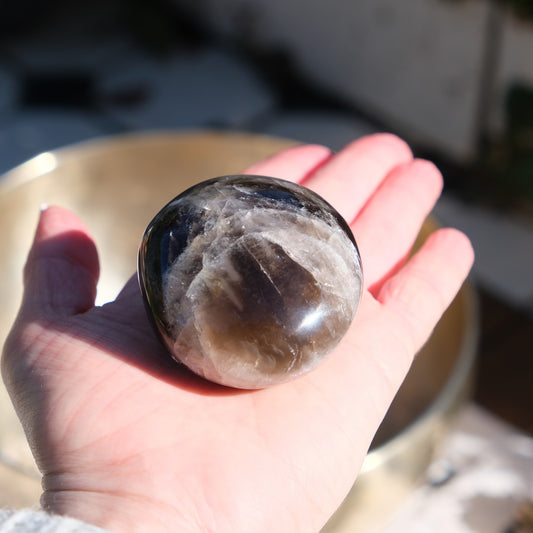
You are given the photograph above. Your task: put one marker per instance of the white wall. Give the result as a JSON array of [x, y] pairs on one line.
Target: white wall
[[415, 64]]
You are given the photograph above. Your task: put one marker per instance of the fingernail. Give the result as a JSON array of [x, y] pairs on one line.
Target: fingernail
[[43, 207]]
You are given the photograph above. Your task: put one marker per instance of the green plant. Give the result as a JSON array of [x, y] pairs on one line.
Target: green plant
[[503, 175], [523, 8]]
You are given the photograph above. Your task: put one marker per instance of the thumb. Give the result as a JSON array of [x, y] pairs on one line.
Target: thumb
[[62, 268]]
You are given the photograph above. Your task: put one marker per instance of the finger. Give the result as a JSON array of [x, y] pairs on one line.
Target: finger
[[349, 178], [293, 164], [421, 291], [389, 224], [62, 269]]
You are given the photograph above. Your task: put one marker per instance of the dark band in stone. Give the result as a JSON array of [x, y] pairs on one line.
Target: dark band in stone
[[250, 281]]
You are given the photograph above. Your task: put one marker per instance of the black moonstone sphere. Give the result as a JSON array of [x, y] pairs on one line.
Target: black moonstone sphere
[[250, 281]]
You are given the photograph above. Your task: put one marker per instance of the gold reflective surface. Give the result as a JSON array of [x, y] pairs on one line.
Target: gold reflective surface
[[116, 186]]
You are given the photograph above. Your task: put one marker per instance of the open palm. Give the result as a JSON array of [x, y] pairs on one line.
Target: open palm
[[131, 441]]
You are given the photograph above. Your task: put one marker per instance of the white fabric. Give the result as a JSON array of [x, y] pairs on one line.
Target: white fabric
[[33, 521]]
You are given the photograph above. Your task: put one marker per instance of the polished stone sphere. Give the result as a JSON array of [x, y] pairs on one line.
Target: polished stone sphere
[[250, 281]]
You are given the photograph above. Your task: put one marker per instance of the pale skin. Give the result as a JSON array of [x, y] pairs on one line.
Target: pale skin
[[128, 440]]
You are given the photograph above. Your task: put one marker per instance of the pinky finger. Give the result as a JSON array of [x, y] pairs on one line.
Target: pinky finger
[[421, 291]]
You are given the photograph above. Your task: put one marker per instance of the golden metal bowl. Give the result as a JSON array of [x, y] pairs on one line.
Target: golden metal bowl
[[116, 185]]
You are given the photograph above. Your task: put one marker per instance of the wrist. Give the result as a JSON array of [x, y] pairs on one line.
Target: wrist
[[115, 513]]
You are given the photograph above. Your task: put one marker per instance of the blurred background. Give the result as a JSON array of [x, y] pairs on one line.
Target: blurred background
[[452, 77]]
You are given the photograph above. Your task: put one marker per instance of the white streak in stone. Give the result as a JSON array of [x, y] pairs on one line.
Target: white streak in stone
[[262, 268]]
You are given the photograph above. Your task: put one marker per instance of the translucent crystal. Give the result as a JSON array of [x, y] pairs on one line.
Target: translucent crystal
[[250, 281]]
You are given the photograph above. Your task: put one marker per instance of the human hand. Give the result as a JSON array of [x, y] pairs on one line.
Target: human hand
[[131, 441]]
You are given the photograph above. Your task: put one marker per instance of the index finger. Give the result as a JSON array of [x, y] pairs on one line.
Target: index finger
[[293, 164]]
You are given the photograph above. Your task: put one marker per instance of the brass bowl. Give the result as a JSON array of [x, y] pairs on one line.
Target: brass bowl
[[116, 185]]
